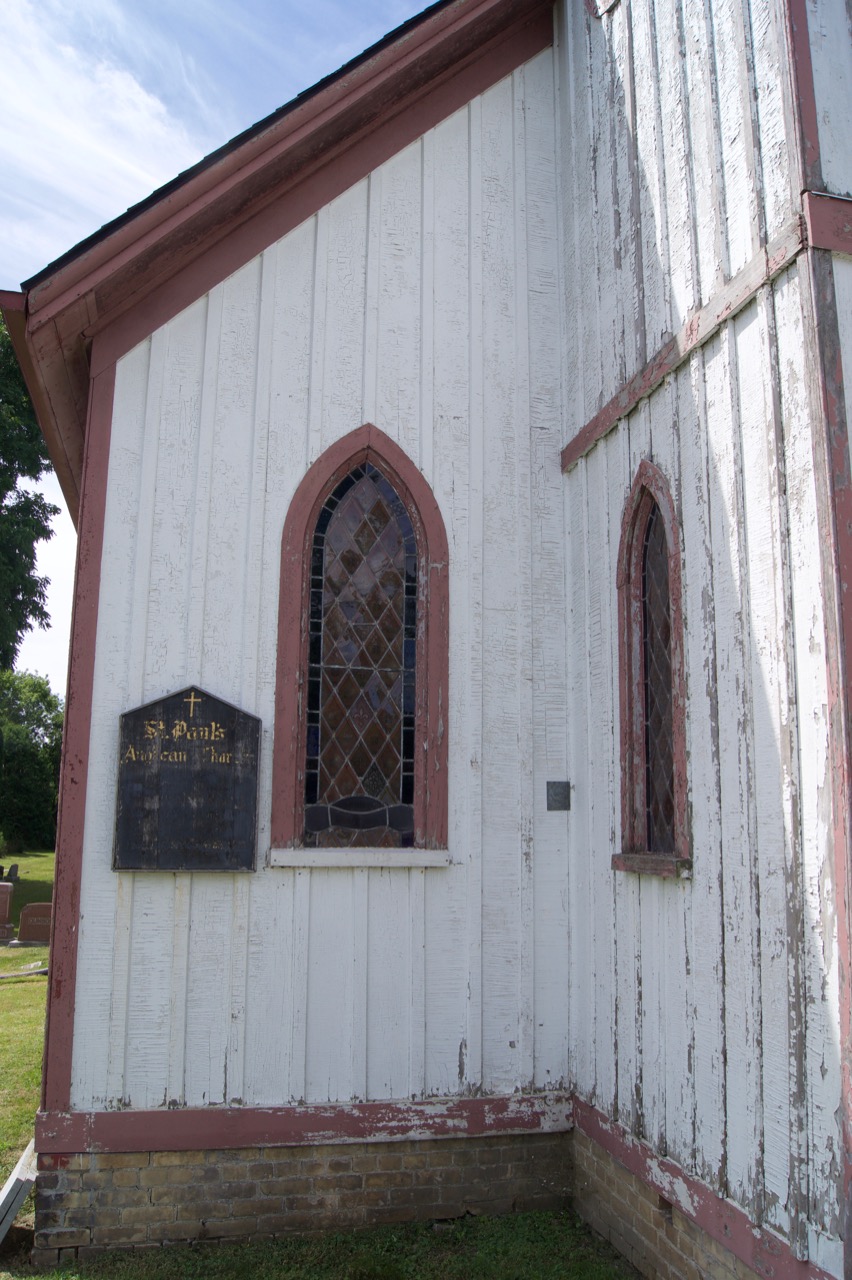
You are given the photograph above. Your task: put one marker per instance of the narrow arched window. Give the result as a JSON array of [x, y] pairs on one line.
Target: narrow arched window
[[653, 749], [360, 742], [362, 668]]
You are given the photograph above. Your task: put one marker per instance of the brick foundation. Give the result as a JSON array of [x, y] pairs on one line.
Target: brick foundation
[[86, 1203], [95, 1201], [649, 1232]]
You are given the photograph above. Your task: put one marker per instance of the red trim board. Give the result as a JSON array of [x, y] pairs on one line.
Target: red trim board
[[228, 1128], [774, 258], [829, 222]]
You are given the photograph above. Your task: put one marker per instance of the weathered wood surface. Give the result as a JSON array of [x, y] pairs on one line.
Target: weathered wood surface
[[700, 1010], [425, 300]]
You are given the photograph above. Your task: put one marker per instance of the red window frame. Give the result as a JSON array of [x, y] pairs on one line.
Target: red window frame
[[649, 487], [366, 444]]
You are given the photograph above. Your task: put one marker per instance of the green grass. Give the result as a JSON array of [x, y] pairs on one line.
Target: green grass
[[35, 880], [526, 1246], [22, 1001]]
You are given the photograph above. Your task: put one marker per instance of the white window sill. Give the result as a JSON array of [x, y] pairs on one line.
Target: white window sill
[[349, 858]]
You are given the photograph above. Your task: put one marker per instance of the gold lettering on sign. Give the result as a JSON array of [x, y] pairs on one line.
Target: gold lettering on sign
[[218, 757]]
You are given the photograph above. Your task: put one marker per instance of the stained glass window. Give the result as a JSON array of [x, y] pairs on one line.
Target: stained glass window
[[359, 766], [655, 837], [657, 679]]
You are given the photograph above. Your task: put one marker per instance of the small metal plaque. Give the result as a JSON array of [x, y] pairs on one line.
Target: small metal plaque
[[558, 796], [187, 786]]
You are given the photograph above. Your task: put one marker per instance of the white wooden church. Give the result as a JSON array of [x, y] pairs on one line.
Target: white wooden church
[[479, 424]]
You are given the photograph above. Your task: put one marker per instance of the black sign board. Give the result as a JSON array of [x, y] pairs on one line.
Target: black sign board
[[187, 786]]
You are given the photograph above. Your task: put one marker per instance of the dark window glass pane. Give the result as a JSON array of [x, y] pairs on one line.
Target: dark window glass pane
[[657, 679], [361, 667]]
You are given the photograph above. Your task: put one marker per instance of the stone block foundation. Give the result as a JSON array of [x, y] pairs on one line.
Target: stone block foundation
[[648, 1230], [89, 1202], [94, 1201]]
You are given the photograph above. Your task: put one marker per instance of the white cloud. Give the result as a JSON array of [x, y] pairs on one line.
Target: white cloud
[[82, 139]]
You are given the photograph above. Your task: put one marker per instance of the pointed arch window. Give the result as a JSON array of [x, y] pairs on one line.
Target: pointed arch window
[[360, 733], [651, 680]]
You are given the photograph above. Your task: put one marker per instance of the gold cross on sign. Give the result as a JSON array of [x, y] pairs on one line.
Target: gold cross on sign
[[192, 699]]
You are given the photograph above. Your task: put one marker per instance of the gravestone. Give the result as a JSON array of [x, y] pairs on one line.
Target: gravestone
[[7, 930], [187, 786], [34, 927]]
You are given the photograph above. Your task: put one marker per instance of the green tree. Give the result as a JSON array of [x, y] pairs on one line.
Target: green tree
[[24, 516], [30, 745]]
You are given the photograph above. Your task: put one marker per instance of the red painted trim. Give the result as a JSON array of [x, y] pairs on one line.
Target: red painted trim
[[56, 1081], [829, 222], [215, 1129], [430, 802], [724, 1221], [12, 301], [649, 487], [730, 299], [804, 94]]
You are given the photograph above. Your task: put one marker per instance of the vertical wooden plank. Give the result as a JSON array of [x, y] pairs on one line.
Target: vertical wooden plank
[[731, 604], [652, 210], [270, 991], [331, 988], [738, 159], [400, 306], [547, 640], [370, 411], [416, 1087], [521, 106], [299, 966], [580, 1039], [470, 1065], [627, 1027], [427, 304], [451, 898], [674, 897], [389, 1017], [705, 938], [705, 177], [676, 162], [831, 51], [146, 1047], [181, 915], [501, 798], [207, 1005], [136, 690], [360, 1043], [93, 1070], [815, 1014], [340, 389]]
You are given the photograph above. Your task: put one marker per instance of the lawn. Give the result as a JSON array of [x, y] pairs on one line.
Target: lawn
[[22, 998], [524, 1246]]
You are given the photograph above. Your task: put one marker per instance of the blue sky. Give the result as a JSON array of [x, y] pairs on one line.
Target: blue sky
[[105, 100]]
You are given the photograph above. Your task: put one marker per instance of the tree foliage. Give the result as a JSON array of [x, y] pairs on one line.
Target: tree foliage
[[24, 516], [30, 746]]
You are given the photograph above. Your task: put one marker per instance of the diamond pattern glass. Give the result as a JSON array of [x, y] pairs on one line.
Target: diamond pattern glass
[[657, 676], [359, 768]]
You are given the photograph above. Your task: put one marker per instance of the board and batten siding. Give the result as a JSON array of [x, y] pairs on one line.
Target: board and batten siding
[[424, 299], [703, 1012]]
